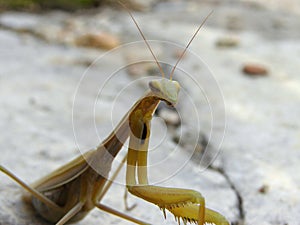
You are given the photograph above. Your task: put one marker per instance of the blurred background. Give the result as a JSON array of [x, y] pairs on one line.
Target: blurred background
[[69, 68]]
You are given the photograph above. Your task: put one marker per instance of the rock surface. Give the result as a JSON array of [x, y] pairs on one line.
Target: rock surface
[[248, 170]]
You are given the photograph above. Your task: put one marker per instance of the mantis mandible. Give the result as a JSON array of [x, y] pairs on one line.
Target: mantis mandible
[[70, 192]]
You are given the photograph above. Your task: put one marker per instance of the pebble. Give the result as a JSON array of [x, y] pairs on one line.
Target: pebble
[[263, 189], [255, 70], [227, 42], [101, 40]]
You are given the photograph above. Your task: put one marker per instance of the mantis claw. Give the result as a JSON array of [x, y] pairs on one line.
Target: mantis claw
[[164, 212], [189, 213]]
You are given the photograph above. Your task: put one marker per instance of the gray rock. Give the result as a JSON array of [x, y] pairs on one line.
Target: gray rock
[[38, 81]]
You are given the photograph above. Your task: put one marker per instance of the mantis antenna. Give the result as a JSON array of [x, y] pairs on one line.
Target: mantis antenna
[[159, 66], [184, 51]]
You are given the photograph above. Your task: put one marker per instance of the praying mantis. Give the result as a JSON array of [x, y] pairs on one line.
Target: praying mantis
[[69, 193]]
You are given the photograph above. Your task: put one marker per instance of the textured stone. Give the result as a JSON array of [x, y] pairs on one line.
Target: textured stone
[[252, 178]]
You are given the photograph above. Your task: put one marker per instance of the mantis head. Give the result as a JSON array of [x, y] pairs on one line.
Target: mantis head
[[166, 90]]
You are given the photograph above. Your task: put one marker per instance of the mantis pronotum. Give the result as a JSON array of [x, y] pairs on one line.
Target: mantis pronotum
[[70, 192]]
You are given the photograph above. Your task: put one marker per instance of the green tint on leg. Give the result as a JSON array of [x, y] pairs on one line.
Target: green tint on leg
[[189, 213], [173, 199]]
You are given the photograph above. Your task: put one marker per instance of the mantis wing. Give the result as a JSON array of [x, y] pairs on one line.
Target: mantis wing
[[64, 174], [113, 143]]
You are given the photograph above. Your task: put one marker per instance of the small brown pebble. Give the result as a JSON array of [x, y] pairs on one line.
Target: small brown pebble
[[101, 40], [227, 42], [255, 70], [263, 189]]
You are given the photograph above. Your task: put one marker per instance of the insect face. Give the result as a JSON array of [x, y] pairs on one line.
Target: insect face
[[165, 89]]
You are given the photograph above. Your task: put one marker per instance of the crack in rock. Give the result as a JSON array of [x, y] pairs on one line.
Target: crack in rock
[[198, 155], [241, 218]]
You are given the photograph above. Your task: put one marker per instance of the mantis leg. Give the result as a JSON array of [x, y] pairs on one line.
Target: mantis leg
[[110, 210], [127, 207], [164, 198], [120, 214], [32, 191], [113, 177], [70, 214], [177, 201], [109, 183], [185, 204], [211, 216]]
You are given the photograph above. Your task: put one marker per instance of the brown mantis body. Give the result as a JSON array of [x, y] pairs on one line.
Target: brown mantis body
[[70, 192]]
